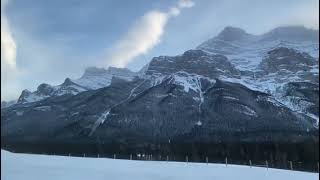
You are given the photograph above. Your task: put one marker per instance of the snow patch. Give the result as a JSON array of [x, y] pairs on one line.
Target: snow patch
[[40, 167], [34, 97], [230, 98], [43, 108], [199, 123], [19, 113], [99, 121], [104, 116], [316, 125]]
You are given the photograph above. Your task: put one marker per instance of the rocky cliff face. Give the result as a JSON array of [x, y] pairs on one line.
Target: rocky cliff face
[[193, 62], [234, 87], [288, 60]]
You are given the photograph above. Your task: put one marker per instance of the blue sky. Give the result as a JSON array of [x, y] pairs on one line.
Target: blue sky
[[47, 41]]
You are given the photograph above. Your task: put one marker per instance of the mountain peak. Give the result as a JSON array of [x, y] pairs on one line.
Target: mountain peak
[[43, 86], [232, 28], [230, 33], [289, 28], [26, 91], [45, 89], [294, 32], [67, 82], [194, 53], [115, 70], [94, 71]]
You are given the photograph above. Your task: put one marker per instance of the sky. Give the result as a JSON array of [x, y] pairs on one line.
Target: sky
[[47, 41]]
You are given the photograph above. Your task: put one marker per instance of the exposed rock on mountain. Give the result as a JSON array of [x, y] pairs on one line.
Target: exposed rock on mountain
[[305, 95], [193, 62], [287, 59], [233, 34], [292, 33]]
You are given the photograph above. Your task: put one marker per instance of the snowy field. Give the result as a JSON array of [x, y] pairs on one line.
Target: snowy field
[[43, 167]]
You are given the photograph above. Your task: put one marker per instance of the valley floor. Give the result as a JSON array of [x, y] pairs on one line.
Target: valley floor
[[44, 167]]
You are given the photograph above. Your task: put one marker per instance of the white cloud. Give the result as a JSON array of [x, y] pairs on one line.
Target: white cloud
[[8, 45], [144, 35], [174, 11], [185, 3], [9, 70]]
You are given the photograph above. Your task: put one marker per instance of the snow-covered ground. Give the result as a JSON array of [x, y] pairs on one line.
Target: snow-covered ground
[[43, 167]]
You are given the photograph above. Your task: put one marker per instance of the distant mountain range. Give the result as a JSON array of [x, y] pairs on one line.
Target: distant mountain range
[[93, 78], [233, 87]]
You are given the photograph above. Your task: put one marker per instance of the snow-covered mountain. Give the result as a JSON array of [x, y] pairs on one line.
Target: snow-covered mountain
[[246, 51], [93, 78], [235, 87], [268, 62]]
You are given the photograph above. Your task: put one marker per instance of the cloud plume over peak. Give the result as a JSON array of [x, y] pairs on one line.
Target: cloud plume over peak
[[144, 35]]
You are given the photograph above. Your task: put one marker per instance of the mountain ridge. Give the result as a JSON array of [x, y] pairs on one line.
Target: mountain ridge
[[94, 78], [268, 69]]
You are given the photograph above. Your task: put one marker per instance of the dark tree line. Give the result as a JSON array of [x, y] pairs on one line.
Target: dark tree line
[[304, 155]]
